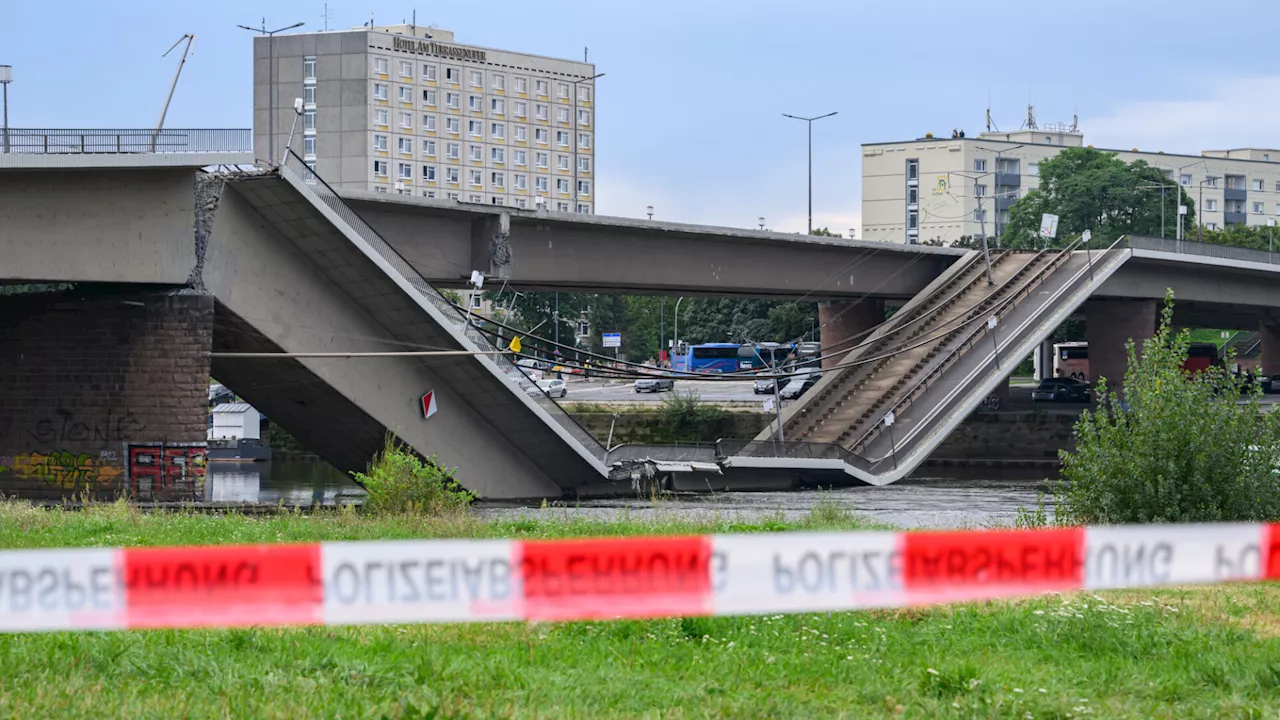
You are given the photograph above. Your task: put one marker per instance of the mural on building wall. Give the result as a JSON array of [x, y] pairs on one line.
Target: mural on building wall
[[65, 470], [147, 470], [156, 467]]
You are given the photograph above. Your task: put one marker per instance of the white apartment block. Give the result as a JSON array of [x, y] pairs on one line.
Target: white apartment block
[[947, 187], [403, 109]]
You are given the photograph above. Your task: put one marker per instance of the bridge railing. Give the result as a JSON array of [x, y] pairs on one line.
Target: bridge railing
[[1204, 249], [461, 320], [31, 141], [792, 450]]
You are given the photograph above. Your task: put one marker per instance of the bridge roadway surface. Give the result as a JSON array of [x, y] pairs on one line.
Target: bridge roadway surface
[[293, 269]]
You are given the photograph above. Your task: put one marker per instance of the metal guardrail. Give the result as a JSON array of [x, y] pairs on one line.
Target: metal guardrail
[[791, 450], [30, 141], [1192, 247], [460, 319]]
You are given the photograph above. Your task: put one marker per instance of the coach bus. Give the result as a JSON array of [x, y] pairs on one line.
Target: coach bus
[[708, 358], [1071, 359]]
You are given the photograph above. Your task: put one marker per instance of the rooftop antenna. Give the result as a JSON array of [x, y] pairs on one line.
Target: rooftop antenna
[[990, 123], [1030, 122], [327, 15], [584, 53], [165, 111], [1075, 122]]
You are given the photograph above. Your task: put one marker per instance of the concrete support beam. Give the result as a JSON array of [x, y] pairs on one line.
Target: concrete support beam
[[844, 324], [1270, 333], [1044, 359], [1110, 325]]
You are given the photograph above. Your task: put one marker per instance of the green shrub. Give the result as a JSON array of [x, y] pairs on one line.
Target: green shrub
[[1178, 447], [688, 419], [398, 481]]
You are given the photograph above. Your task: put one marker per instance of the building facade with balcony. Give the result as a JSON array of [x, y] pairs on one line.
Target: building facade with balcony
[[918, 190], [403, 109]]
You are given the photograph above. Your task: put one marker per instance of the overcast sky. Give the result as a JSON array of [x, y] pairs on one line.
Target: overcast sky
[[690, 111]]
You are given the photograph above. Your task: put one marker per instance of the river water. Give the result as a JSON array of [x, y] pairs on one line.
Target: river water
[[924, 503]]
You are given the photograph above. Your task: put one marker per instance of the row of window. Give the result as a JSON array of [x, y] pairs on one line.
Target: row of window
[[475, 103], [519, 202], [475, 128], [476, 178], [475, 78], [475, 153]]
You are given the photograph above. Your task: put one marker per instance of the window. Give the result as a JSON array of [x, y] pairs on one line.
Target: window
[[562, 186], [309, 119], [522, 182], [562, 162], [584, 93], [429, 122], [309, 68], [562, 138], [543, 160], [309, 95], [498, 131], [380, 66], [979, 190], [498, 155], [406, 120], [380, 117], [1278, 208], [913, 195], [380, 143], [563, 91], [473, 103], [522, 203], [499, 81], [1278, 186], [522, 133], [451, 100], [451, 174], [913, 170], [309, 146], [521, 157], [584, 117], [1257, 185], [562, 115], [584, 164], [584, 188], [477, 79], [380, 168], [477, 179], [476, 128], [406, 171], [477, 300], [453, 125], [540, 135], [475, 198], [1211, 182], [451, 196], [980, 215], [584, 208], [1211, 205], [429, 98], [979, 165], [913, 220], [405, 146], [562, 207], [379, 91], [521, 108], [1211, 226], [1185, 179], [380, 189], [584, 141], [497, 106], [497, 180], [1257, 208], [541, 87], [522, 84], [429, 73], [1266, 157], [475, 152], [429, 148], [453, 151], [540, 111], [453, 75], [540, 184]]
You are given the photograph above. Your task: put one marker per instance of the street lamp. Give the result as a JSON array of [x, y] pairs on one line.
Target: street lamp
[[271, 80], [577, 144], [810, 123], [1213, 182], [761, 220], [675, 335], [6, 77], [649, 210]]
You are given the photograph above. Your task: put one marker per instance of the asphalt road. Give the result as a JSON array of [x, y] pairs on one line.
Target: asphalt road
[[708, 391]]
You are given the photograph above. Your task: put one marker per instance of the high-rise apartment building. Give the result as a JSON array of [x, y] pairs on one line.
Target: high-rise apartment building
[[948, 187], [403, 109]]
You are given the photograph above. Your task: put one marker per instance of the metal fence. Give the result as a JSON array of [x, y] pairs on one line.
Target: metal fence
[[80, 142], [794, 450], [1191, 247]]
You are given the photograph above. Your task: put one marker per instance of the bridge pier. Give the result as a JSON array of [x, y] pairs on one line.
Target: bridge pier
[[1111, 324], [844, 323], [104, 392], [1270, 336]]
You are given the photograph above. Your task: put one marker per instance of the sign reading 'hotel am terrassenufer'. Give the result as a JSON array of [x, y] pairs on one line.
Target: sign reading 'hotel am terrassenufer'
[[425, 46]]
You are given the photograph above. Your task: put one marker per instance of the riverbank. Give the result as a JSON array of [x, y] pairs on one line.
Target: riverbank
[[1176, 653]]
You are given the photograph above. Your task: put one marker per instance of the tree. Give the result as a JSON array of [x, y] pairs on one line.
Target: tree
[[1258, 237], [971, 242], [825, 232], [704, 320], [1094, 190]]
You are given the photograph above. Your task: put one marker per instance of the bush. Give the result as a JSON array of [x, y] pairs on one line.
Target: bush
[[688, 419], [398, 481], [1178, 447]]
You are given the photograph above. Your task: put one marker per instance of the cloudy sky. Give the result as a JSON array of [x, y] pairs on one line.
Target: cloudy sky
[[690, 117]]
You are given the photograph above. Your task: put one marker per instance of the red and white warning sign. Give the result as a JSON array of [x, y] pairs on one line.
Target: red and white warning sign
[[429, 404]]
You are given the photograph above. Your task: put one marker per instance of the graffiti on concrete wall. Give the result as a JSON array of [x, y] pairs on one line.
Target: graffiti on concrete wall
[[68, 428], [155, 467], [65, 470]]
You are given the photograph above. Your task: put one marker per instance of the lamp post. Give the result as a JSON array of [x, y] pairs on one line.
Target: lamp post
[[761, 220], [1178, 229], [271, 80], [1213, 182], [6, 77], [1162, 187], [649, 211], [675, 335], [810, 121], [576, 143]]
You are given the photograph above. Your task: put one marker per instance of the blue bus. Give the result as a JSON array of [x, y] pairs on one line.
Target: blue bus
[[709, 358], [764, 355]]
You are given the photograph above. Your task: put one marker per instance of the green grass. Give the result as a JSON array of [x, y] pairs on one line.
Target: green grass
[[1202, 653]]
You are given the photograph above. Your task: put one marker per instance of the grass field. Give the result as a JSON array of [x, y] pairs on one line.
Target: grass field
[[1185, 653]]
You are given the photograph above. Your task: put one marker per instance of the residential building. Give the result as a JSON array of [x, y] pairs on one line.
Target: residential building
[[404, 109], [948, 187]]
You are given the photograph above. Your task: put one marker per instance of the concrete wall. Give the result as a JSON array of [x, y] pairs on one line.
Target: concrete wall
[[1003, 435], [104, 392]]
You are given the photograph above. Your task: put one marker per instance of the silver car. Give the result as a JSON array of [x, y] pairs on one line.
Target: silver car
[[553, 387], [654, 384]]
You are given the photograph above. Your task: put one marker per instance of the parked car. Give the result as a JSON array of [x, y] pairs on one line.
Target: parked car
[[1062, 389], [554, 388], [1270, 383], [765, 380], [798, 385], [654, 384]]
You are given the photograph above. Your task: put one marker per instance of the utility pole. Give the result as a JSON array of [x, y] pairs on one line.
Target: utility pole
[[174, 86], [6, 77], [271, 80], [810, 123]]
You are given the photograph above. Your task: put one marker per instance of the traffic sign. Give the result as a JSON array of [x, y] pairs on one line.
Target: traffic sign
[[429, 404], [611, 340], [1048, 225]]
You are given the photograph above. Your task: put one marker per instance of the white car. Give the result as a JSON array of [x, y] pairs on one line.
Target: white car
[[554, 387]]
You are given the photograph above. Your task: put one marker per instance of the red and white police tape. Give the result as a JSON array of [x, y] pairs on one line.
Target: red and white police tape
[[475, 580]]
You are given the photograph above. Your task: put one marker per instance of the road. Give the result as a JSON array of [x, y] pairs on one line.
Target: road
[[619, 391]]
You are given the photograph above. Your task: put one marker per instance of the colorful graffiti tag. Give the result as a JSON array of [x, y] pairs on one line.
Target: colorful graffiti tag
[[156, 467], [66, 470]]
